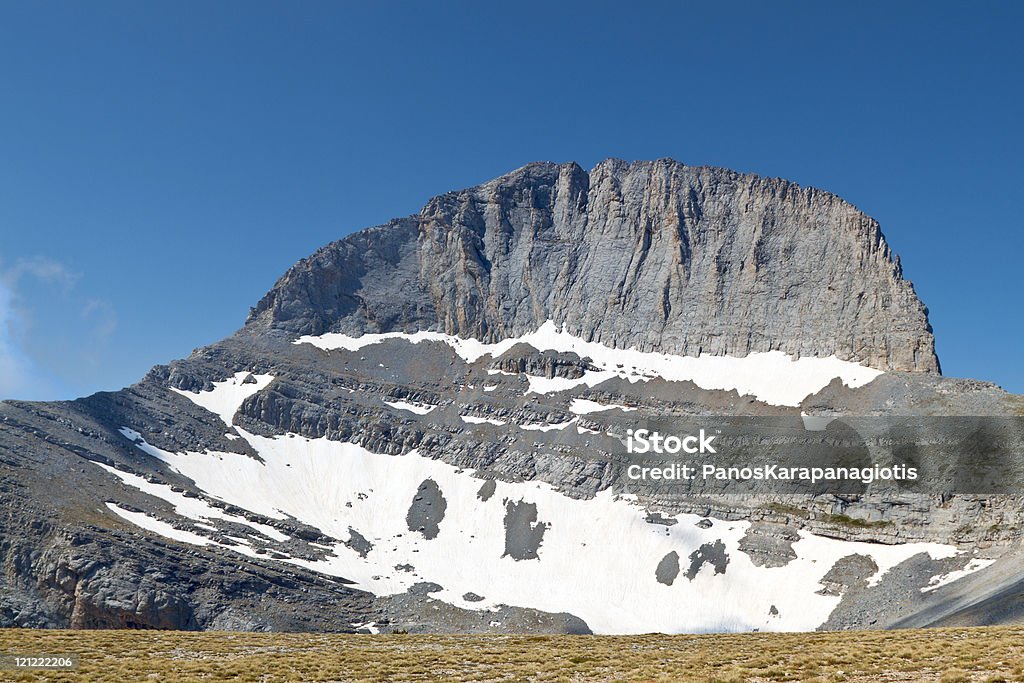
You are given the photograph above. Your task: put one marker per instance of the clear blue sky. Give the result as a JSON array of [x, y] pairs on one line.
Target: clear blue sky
[[162, 163]]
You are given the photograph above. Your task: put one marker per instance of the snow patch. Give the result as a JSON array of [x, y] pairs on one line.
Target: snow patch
[[582, 406], [772, 377], [418, 408], [227, 397], [542, 427], [157, 526], [597, 558], [130, 434], [370, 626], [474, 420], [187, 506], [941, 580]]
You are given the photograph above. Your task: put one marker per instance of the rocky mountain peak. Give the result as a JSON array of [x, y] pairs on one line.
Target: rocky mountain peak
[[655, 255]]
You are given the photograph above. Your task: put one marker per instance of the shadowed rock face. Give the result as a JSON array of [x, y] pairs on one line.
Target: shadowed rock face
[[684, 260], [427, 510], [709, 553], [668, 568], [523, 533]]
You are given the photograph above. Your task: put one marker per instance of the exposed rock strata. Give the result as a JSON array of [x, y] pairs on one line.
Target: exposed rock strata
[[656, 255]]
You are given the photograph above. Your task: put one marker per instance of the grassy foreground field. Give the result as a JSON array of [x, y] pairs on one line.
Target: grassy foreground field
[[942, 655]]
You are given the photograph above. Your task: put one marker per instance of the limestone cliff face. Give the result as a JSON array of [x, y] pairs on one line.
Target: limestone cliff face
[[656, 255]]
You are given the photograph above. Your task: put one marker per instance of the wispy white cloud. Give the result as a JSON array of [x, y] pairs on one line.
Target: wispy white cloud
[[41, 268], [12, 362], [101, 319], [20, 376], [101, 316]]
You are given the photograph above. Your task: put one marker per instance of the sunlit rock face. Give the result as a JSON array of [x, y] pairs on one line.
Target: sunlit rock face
[[654, 255]]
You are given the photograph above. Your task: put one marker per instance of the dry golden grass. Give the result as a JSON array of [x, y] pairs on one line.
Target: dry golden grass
[[938, 655]]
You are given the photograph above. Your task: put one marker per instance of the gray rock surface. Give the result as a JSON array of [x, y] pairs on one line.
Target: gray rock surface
[[712, 554], [523, 533], [667, 569], [769, 545], [427, 510], [656, 255]]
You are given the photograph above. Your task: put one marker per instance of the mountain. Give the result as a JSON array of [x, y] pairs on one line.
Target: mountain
[[687, 261], [423, 427]]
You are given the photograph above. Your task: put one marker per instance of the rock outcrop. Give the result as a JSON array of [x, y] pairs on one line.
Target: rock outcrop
[[656, 255]]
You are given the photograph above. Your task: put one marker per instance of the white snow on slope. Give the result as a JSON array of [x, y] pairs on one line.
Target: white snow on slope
[[418, 408], [130, 434], [772, 377], [544, 427], [193, 508], [597, 559], [227, 397], [582, 406], [551, 385], [474, 420], [157, 526], [370, 626], [977, 564]]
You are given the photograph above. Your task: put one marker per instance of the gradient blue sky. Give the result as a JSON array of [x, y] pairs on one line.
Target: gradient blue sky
[[162, 163]]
